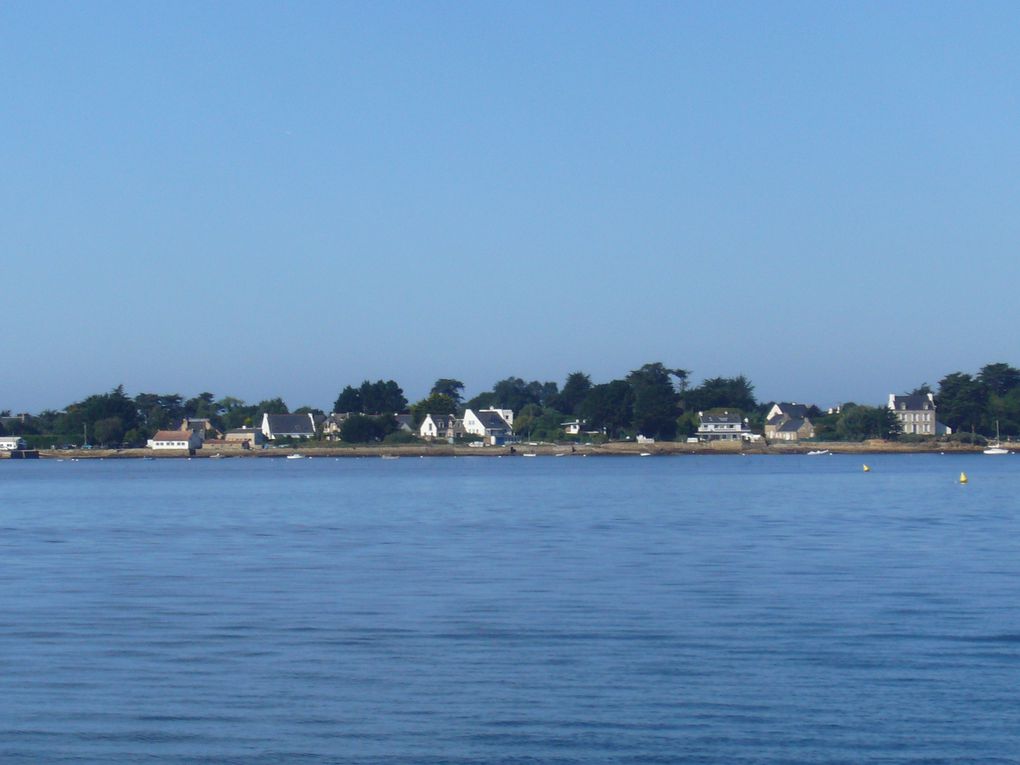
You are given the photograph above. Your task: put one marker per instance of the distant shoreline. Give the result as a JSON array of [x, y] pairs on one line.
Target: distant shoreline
[[622, 448]]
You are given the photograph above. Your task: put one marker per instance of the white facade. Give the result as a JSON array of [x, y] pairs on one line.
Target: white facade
[[176, 439], [12, 443], [436, 426], [722, 427], [490, 424]]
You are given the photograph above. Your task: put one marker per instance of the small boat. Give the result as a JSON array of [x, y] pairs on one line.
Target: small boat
[[645, 454], [295, 456], [529, 454], [996, 446], [818, 452], [390, 457]]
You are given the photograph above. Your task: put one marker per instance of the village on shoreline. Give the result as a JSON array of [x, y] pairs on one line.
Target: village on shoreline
[[652, 411]]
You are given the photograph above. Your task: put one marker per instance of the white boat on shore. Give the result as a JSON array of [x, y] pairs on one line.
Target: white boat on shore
[[818, 452]]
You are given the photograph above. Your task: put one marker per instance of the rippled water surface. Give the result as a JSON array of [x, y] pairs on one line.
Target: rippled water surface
[[479, 610]]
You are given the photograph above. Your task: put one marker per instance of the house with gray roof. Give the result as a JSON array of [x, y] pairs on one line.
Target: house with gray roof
[[439, 426], [276, 426], [490, 424], [788, 422], [916, 414], [722, 427]]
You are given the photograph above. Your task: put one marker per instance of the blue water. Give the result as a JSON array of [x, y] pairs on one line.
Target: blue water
[[478, 610]]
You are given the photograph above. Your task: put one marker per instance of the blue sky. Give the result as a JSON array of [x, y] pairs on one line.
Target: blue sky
[[265, 199]]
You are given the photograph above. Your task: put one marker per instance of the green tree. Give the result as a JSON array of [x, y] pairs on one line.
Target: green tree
[[362, 429], [857, 423], [436, 403], [961, 401], [609, 407], [202, 406], [109, 431], [485, 400], [574, 391], [999, 379], [722, 393], [349, 400], [382, 397], [452, 389], [513, 393], [656, 403]]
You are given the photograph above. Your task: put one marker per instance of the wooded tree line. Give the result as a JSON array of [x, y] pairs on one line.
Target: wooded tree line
[[654, 400]]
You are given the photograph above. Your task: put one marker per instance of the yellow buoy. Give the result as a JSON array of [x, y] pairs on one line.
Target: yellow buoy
[[963, 478], [867, 469]]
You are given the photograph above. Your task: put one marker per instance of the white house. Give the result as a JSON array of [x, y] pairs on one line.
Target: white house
[[723, 427], [12, 443], [438, 426], [288, 426], [571, 428], [490, 424], [176, 439]]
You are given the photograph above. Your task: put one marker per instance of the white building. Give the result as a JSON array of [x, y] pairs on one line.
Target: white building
[[723, 427], [176, 439], [438, 426], [490, 424], [288, 426]]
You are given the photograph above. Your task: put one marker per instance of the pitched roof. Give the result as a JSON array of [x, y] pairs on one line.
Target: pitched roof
[[792, 425], [793, 410], [722, 418], [296, 424], [913, 403], [491, 420], [172, 435]]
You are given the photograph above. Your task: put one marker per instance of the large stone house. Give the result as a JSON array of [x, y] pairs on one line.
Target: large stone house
[[916, 414], [245, 438], [788, 422]]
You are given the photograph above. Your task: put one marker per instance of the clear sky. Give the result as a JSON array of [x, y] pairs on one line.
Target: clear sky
[[263, 199]]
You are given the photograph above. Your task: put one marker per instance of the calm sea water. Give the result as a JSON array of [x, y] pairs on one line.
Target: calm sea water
[[477, 610]]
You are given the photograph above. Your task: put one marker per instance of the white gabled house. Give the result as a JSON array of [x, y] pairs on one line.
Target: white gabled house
[[723, 427], [288, 426], [188, 440], [438, 426], [572, 428], [495, 426]]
